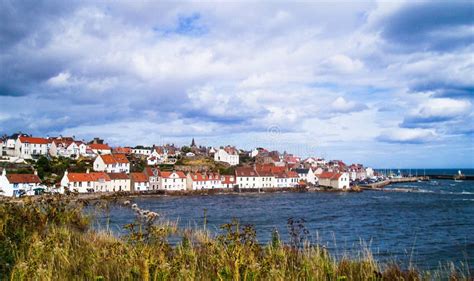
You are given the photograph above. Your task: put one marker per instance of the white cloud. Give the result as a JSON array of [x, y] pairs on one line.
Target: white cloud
[[60, 80], [343, 106], [403, 135]]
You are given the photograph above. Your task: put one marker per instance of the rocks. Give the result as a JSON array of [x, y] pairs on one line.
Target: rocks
[[147, 215]]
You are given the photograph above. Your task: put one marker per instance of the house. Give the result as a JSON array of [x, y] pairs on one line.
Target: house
[[334, 179], [100, 148], [153, 177], [228, 181], [140, 150], [86, 182], [65, 147], [119, 182], [199, 181], [15, 185], [247, 177], [175, 180], [267, 178], [139, 182], [122, 150], [306, 175], [86, 151], [30, 147], [286, 179], [228, 155], [112, 163]]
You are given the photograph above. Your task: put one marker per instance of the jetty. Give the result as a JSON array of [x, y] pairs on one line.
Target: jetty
[[381, 184]]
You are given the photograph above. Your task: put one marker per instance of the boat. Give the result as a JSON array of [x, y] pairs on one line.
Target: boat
[[459, 177]]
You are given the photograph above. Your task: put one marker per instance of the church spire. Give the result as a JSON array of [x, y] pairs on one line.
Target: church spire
[[193, 144]]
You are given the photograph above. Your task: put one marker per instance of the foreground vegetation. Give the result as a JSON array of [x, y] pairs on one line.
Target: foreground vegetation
[[51, 239]]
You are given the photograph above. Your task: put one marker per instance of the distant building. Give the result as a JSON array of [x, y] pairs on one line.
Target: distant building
[[100, 148], [228, 155], [119, 182], [335, 180], [30, 147], [199, 181], [228, 181], [175, 180], [86, 182], [14, 185], [139, 182], [307, 175], [112, 163]]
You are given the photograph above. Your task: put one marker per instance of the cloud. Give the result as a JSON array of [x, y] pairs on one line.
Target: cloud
[[437, 26], [436, 110], [407, 136], [319, 72], [342, 106], [59, 80]]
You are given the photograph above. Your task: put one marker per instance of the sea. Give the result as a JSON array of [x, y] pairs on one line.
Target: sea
[[423, 224]]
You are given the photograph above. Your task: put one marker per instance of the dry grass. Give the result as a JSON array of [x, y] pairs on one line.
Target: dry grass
[[50, 240]]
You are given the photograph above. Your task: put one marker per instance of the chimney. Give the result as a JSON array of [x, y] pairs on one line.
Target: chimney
[[65, 173], [35, 172], [87, 171], [4, 172]]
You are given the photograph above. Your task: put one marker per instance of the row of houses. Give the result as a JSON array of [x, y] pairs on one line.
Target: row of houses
[[153, 179], [28, 147]]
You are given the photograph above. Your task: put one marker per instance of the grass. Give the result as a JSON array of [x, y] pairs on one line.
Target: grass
[[50, 239]]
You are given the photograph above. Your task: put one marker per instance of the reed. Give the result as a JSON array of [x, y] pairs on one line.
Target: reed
[[50, 239]]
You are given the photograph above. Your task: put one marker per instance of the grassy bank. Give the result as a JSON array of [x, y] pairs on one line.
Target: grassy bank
[[50, 239]]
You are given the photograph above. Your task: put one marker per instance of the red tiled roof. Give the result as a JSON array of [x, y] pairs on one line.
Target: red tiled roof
[[123, 150], [118, 176], [23, 178], [139, 177], [114, 158], [166, 174], [84, 177], [245, 172], [33, 140], [99, 146], [204, 177], [292, 174], [228, 179], [330, 175]]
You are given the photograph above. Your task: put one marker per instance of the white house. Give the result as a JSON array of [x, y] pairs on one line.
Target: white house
[[119, 182], [86, 182], [28, 147], [247, 177], [141, 151], [286, 179], [14, 185], [66, 147], [139, 182], [199, 181], [307, 175], [99, 148], [112, 163], [175, 180], [153, 177], [334, 180], [228, 155]]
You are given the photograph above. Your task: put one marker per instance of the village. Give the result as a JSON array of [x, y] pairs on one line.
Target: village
[[35, 165]]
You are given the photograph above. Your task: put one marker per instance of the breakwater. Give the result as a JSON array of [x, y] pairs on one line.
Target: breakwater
[[381, 184]]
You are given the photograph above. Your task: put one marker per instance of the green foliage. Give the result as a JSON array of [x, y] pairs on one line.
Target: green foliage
[[185, 149], [49, 239]]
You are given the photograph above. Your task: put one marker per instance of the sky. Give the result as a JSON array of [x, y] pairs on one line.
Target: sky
[[384, 83]]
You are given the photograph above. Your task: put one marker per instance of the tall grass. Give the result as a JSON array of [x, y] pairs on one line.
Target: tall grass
[[50, 239]]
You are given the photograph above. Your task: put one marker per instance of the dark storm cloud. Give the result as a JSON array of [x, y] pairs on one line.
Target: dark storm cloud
[[438, 26], [20, 19]]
